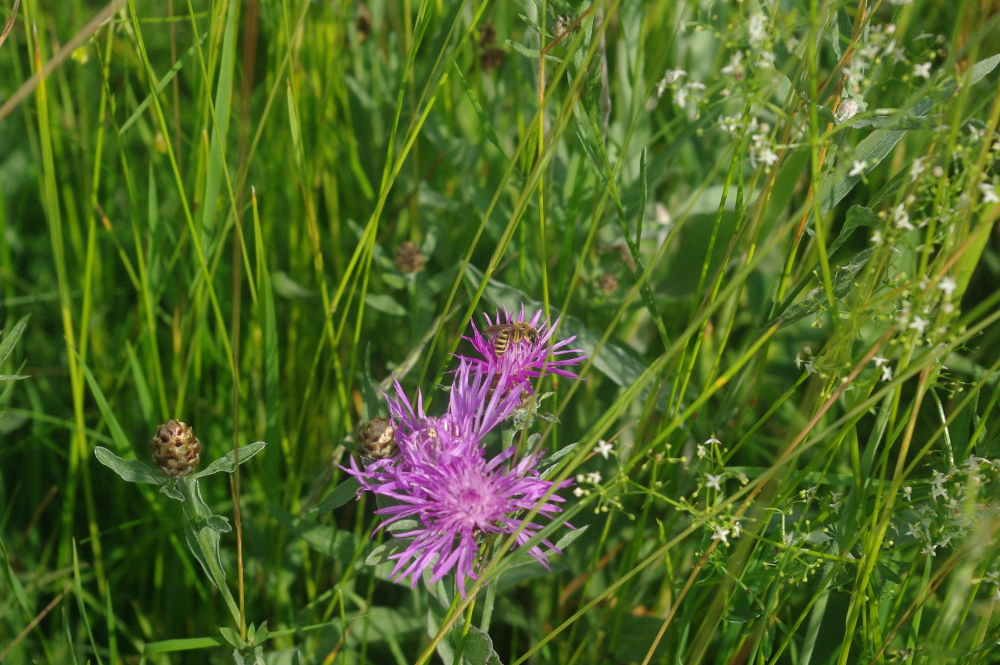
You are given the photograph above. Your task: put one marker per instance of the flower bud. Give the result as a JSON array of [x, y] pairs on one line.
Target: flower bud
[[377, 439], [409, 258], [176, 450]]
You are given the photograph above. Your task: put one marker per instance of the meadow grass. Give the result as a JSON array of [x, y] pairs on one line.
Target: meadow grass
[[769, 225]]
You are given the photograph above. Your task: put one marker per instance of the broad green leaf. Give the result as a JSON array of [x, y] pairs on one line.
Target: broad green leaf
[[381, 554], [478, 649], [385, 303], [532, 53], [340, 495], [132, 470], [228, 463], [233, 637]]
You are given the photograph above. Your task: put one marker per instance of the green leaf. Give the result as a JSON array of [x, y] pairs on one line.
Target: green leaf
[[550, 462], [381, 554], [340, 495], [484, 121], [202, 535], [117, 434], [220, 128], [817, 300], [532, 53], [15, 584], [857, 216], [326, 540], [132, 470], [984, 67], [479, 648], [160, 86], [385, 303], [228, 463], [233, 637], [8, 343]]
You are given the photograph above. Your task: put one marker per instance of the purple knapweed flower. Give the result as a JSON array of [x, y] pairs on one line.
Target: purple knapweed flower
[[442, 480], [524, 359], [455, 502], [474, 409]]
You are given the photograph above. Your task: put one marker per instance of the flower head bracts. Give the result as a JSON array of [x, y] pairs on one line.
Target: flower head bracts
[[525, 359], [455, 502]]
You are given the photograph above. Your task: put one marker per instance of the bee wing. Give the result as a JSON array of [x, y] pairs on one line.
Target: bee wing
[[497, 329]]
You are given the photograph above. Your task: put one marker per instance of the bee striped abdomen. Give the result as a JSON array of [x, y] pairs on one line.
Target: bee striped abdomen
[[502, 341]]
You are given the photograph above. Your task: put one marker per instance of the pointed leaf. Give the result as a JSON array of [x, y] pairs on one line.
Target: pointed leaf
[[132, 471], [228, 463]]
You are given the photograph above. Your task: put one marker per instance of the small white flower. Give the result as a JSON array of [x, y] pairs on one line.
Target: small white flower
[[734, 68], [908, 493], [918, 323], [914, 530], [603, 448], [721, 534], [922, 70], [948, 285], [937, 172], [578, 492], [594, 477], [766, 60], [712, 441], [989, 194], [858, 168], [757, 29], [879, 361], [702, 450], [669, 78], [877, 238], [736, 529], [767, 157], [900, 219], [680, 97], [713, 482], [917, 167], [929, 549], [835, 501], [887, 373]]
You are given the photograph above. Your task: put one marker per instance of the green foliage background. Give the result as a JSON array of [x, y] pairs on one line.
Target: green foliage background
[[200, 208]]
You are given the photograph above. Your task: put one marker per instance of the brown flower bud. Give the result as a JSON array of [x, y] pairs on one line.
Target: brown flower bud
[[377, 439], [608, 283], [492, 58], [409, 258], [176, 450]]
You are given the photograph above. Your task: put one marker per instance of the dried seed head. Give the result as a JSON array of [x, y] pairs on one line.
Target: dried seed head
[[487, 35], [409, 258], [492, 58], [363, 23], [609, 283], [377, 439], [176, 450]]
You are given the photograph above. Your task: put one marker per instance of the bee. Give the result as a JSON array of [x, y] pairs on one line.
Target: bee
[[511, 333], [377, 439]]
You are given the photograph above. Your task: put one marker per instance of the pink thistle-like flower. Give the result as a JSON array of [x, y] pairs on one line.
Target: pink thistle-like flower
[[455, 502], [441, 478], [473, 410], [523, 359]]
